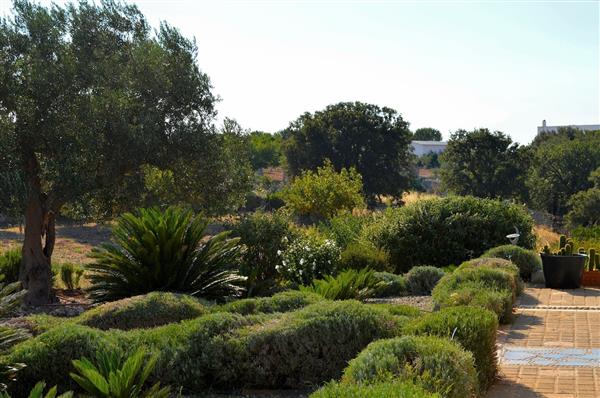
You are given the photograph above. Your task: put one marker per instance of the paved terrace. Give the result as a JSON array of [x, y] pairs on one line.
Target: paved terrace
[[553, 347]]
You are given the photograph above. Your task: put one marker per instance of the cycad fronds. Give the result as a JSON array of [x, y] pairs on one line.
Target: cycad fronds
[[157, 250]]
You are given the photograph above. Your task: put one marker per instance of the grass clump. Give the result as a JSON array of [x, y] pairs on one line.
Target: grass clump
[[10, 264]]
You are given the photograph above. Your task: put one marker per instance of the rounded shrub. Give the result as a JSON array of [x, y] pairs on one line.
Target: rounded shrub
[[391, 285], [10, 264], [493, 289], [307, 257], [281, 302], [312, 345], [528, 261], [262, 234], [437, 364], [359, 256], [379, 390], [473, 328], [422, 279], [442, 231], [145, 311], [499, 264]]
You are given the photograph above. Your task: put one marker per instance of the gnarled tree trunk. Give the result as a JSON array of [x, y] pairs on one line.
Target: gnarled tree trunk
[[38, 245]]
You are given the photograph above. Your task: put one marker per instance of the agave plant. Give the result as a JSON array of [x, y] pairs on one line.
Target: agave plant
[[112, 377], [156, 250]]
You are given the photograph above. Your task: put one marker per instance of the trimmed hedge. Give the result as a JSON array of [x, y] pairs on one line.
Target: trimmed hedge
[[437, 364], [493, 289], [379, 390], [473, 328], [358, 256], [221, 350], [281, 302], [497, 263], [145, 311], [443, 231], [528, 261]]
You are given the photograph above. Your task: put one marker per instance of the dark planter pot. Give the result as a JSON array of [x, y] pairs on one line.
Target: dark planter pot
[[563, 272]]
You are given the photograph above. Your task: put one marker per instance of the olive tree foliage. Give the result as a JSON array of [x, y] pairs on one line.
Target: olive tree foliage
[[90, 97], [373, 140], [484, 164], [561, 167], [265, 149], [427, 134]]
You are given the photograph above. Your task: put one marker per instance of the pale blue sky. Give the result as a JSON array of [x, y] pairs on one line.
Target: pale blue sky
[[449, 65]]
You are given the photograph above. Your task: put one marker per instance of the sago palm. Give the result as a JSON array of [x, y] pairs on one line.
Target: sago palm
[[154, 250]]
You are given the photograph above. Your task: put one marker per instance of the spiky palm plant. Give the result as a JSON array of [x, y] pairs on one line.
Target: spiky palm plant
[[10, 298], [156, 250], [350, 284], [111, 377]]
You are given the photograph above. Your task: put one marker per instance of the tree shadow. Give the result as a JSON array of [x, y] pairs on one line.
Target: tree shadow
[[507, 388]]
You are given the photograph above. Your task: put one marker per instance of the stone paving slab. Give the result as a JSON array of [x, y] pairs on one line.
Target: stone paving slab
[[585, 297], [551, 382]]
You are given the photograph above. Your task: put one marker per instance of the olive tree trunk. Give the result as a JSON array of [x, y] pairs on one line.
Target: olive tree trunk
[[38, 245]]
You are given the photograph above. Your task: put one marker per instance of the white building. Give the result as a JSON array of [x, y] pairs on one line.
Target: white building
[[424, 147], [544, 128]]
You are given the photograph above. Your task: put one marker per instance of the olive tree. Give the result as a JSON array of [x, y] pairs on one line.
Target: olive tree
[[89, 94]]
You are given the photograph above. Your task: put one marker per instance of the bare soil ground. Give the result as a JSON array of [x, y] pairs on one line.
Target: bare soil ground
[[73, 241]]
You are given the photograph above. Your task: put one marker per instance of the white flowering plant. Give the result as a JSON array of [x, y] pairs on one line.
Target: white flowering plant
[[308, 257]]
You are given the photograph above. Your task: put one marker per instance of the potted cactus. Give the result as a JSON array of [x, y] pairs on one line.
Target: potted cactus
[[563, 269], [591, 273]]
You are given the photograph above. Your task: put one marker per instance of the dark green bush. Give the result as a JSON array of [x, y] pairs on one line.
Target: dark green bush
[[146, 311], [493, 289], [528, 261], [280, 302], [347, 285], [379, 390], [473, 328], [311, 345], [359, 256], [10, 264], [154, 250], [392, 285], [422, 279], [262, 234], [437, 364], [443, 231]]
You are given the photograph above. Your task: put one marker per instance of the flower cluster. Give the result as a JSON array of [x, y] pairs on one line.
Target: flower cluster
[[307, 258]]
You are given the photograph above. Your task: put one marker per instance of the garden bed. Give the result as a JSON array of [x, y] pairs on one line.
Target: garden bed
[[424, 303]]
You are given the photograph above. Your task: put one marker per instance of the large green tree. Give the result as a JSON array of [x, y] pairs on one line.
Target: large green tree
[[484, 164], [562, 165], [427, 134], [90, 95], [373, 140], [265, 149]]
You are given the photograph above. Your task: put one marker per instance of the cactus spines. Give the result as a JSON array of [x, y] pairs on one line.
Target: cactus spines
[[592, 260], [562, 241], [568, 249]]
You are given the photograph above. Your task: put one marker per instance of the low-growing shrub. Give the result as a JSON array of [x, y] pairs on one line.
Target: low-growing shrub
[[359, 256], [380, 390], [400, 309], [435, 363], [262, 234], [311, 345], [493, 289], [70, 275], [473, 328], [350, 284], [391, 285], [500, 264], [280, 302], [146, 311], [345, 228], [528, 261], [442, 231], [309, 256], [10, 264], [422, 279]]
